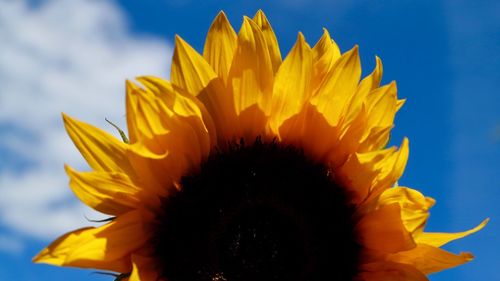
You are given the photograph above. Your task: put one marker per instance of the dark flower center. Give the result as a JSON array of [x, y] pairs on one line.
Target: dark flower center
[[263, 212]]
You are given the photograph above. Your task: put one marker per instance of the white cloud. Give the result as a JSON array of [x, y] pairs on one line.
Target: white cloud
[[68, 56]]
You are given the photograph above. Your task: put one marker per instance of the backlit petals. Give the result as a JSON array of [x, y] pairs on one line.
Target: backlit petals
[[251, 75], [111, 193], [438, 239], [325, 53], [185, 106], [190, 70], [369, 174], [429, 259], [368, 84], [414, 206], [251, 80], [292, 84], [107, 247], [390, 271], [339, 85], [310, 130], [237, 94], [213, 104], [272, 43], [163, 123], [383, 230], [372, 81], [381, 109], [220, 45], [102, 151]]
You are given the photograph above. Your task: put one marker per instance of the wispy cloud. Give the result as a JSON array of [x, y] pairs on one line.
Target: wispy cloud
[[70, 56]]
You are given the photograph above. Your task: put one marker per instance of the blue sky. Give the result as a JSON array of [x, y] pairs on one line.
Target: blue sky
[[74, 56]]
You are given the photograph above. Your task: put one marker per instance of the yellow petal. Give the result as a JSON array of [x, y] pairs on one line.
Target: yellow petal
[[251, 81], [143, 269], [369, 174], [187, 107], [251, 74], [292, 84], [349, 136], [271, 41], [107, 247], [400, 104], [190, 70], [310, 130], [325, 54], [368, 84], [381, 105], [339, 85], [109, 193], [325, 48], [175, 125], [172, 136], [390, 271], [383, 230], [438, 239], [220, 45], [414, 206], [102, 151], [429, 259], [381, 109], [372, 81]]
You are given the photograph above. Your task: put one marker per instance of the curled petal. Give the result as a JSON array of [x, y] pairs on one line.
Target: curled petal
[[414, 206], [438, 239]]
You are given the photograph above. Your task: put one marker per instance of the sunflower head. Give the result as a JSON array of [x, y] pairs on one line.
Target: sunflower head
[[247, 166]]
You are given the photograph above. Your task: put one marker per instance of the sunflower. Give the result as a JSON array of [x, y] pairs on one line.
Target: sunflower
[[245, 166]]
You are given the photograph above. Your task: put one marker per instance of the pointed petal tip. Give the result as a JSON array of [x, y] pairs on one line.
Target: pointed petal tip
[[66, 119], [405, 143], [179, 40], [300, 37], [353, 52], [68, 169], [481, 225], [44, 257], [260, 16], [221, 14], [38, 258], [220, 18], [326, 33]]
